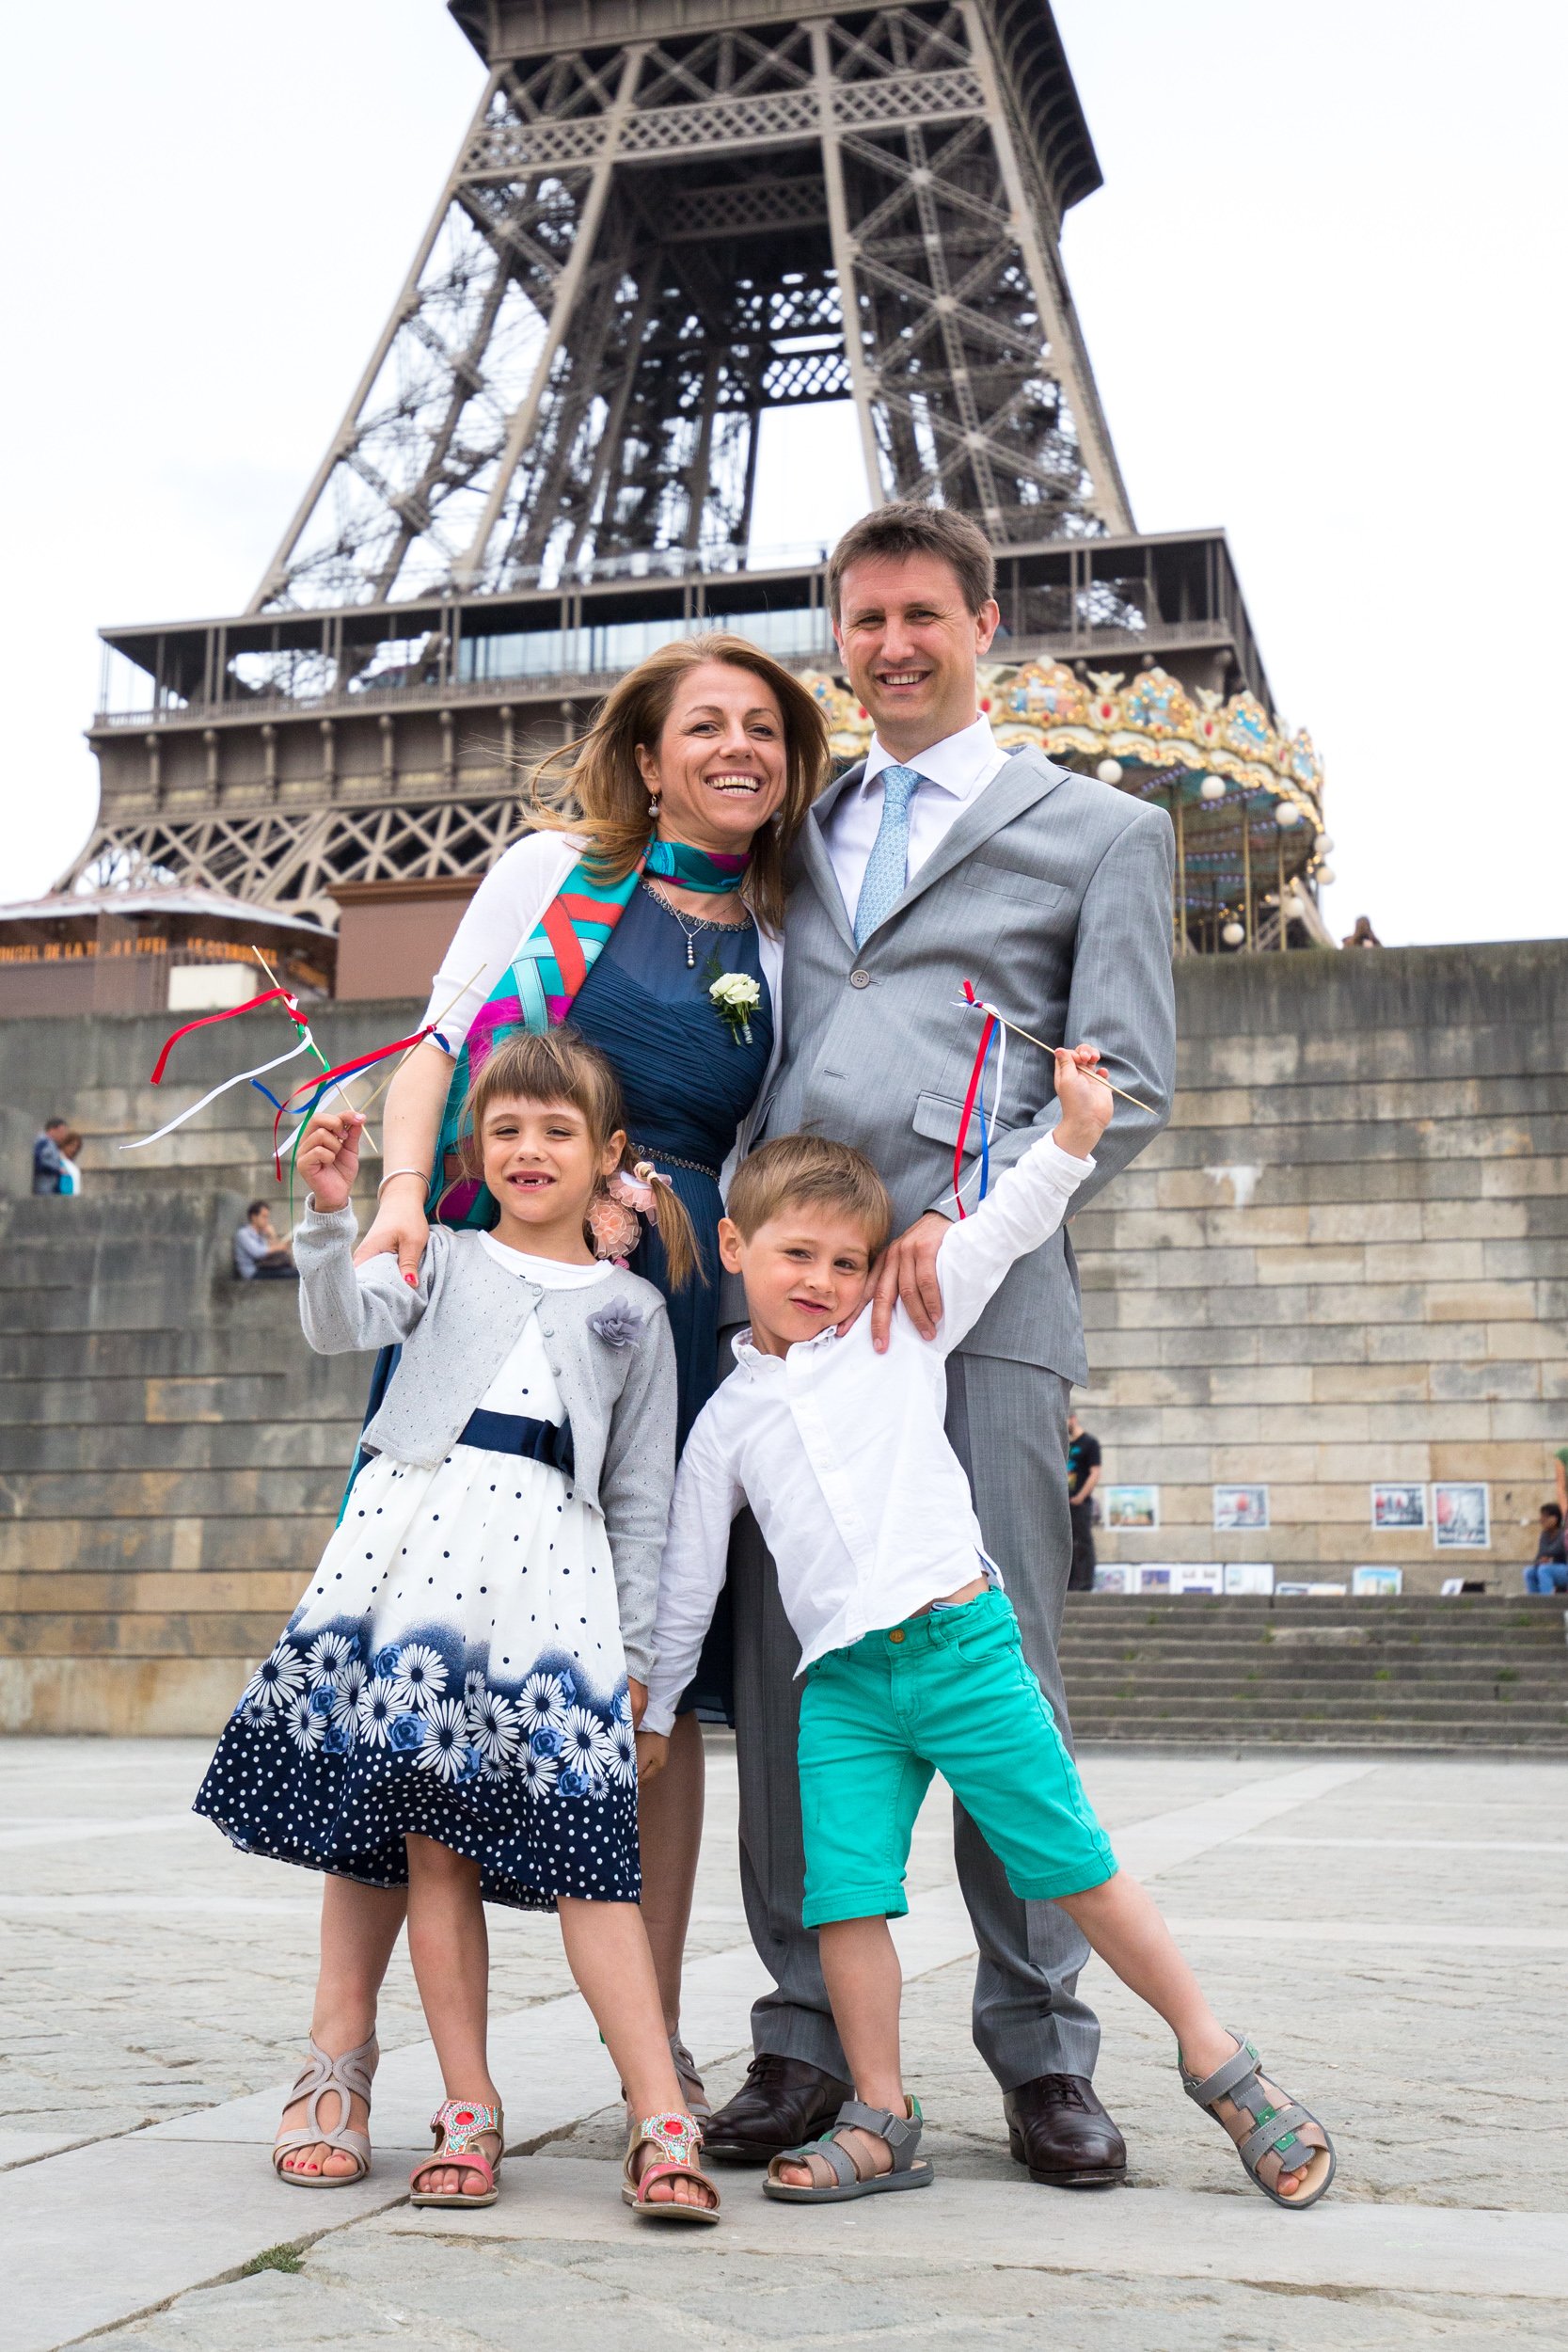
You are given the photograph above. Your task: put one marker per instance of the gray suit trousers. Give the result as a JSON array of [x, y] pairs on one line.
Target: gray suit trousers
[[1008, 1423]]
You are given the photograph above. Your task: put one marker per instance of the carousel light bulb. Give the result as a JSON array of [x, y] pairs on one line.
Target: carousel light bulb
[[1322, 845], [1212, 788], [1325, 874], [1109, 772], [1233, 933], [1286, 815]]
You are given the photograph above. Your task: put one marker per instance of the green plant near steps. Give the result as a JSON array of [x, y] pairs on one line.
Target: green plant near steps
[[1508, 1673], [285, 2258], [1383, 1673]]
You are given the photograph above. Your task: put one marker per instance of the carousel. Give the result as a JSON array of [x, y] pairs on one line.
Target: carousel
[[1245, 799]]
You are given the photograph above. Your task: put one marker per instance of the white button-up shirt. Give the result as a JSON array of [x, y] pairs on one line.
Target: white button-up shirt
[[842, 1455], [954, 771]]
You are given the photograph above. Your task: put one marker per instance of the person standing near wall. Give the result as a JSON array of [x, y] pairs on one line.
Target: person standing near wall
[[48, 1161], [1083, 1477]]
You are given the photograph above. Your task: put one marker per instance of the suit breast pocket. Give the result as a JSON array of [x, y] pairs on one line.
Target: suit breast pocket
[[991, 879]]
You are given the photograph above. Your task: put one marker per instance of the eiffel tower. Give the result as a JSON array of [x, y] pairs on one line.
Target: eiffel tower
[[665, 218]]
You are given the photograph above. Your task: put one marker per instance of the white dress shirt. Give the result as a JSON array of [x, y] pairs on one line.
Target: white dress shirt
[[842, 1455], [954, 771]]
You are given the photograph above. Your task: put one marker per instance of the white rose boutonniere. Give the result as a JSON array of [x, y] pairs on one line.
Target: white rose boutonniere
[[734, 996]]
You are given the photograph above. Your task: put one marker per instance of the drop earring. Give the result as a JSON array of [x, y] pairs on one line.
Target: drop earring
[[653, 807]]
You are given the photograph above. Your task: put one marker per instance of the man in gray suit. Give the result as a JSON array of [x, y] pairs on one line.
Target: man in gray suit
[[942, 859]]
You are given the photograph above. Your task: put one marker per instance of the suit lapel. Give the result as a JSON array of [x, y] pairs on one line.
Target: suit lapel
[[814, 850], [1026, 778]]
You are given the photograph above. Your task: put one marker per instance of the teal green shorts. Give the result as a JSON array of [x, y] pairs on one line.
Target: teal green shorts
[[949, 1692]]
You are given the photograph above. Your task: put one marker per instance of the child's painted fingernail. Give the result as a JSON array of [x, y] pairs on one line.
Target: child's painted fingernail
[[412, 1280]]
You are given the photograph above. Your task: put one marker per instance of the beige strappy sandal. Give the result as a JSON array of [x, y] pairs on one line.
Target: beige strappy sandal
[[349, 2078]]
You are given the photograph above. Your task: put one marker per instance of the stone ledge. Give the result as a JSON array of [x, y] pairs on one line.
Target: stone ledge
[[120, 1697]]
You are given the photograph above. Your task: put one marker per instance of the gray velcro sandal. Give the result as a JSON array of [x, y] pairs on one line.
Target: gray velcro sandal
[[1276, 2131], [840, 2177], [690, 2081]]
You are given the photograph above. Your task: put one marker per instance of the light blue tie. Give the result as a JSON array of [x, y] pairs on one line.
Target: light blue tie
[[887, 867]]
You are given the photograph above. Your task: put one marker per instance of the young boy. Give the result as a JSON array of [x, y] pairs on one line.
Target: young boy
[[909, 1642]]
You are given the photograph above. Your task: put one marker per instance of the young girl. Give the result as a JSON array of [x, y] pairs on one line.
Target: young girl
[[452, 1707]]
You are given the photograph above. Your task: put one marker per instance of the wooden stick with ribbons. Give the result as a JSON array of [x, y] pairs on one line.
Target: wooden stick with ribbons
[[994, 1030]]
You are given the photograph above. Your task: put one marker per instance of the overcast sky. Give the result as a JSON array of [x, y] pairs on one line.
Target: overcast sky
[[1321, 287]]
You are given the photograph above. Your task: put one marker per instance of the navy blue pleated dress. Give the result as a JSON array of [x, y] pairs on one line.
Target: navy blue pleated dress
[[688, 1081]]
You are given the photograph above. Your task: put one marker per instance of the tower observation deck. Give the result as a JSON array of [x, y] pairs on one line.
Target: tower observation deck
[[666, 218]]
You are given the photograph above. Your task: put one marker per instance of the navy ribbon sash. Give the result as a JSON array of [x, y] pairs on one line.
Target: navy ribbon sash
[[546, 1442]]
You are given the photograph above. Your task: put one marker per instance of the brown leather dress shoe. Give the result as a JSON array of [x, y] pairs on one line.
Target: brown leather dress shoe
[[781, 2102], [1057, 2127]]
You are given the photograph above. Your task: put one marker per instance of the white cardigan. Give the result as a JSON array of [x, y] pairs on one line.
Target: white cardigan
[[505, 909]]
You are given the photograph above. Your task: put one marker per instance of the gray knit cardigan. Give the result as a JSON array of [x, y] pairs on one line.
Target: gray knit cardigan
[[608, 1345]]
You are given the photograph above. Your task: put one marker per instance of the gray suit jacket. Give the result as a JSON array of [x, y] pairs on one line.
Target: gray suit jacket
[[456, 1330], [1051, 893]]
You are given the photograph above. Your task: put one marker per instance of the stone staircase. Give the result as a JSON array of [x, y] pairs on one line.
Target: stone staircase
[[1472, 1672], [171, 1460]]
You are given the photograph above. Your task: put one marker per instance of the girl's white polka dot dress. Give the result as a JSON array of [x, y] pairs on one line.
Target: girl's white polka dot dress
[[455, 1669]]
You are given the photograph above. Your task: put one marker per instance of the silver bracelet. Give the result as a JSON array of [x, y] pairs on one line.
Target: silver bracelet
[[421, 1173]]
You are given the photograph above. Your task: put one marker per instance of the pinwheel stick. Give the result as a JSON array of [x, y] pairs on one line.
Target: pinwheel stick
[[975, 1004]]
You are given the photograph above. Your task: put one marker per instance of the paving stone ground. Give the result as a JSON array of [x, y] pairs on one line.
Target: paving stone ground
[[1394, 1932]]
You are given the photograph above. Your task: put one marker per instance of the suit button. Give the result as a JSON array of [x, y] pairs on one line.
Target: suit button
[[548, 1330], [897, 1633], [859, 979]]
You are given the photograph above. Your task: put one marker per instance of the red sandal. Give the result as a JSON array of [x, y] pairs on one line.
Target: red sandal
[[457, 2123], [677, 2138]]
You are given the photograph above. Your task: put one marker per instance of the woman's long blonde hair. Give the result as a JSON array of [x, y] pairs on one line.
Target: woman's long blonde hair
[[557, 1066], [602, 795]]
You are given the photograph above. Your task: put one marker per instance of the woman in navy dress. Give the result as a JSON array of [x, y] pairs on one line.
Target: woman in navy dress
[[714, 751]]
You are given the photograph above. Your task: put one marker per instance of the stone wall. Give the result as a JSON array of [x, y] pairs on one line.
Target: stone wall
[[1347, 1261], [172, 1452]]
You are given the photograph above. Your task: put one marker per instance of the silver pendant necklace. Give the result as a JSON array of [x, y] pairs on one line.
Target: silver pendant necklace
[[691, 931]]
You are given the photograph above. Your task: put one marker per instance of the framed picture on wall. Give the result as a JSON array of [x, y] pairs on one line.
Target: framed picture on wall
[[1200, 1576], [1155, 1579], [1116, 1576], [1396, 1506], [1369, 1584], [1461, 1515], [1241, 1506], [1130, 1507]]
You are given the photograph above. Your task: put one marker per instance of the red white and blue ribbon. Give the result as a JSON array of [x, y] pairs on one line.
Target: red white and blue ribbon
[[993, 1039], [304, 1044], [993, 1032], [355, 1068]]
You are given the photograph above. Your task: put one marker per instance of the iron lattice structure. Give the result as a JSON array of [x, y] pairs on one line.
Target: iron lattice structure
[[665, 218], [643, 246]]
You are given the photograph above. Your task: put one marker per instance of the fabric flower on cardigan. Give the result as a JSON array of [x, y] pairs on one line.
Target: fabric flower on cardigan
[[617, 1324]]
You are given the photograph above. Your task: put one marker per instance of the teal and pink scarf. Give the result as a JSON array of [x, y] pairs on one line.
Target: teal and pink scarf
[[539, 986]]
